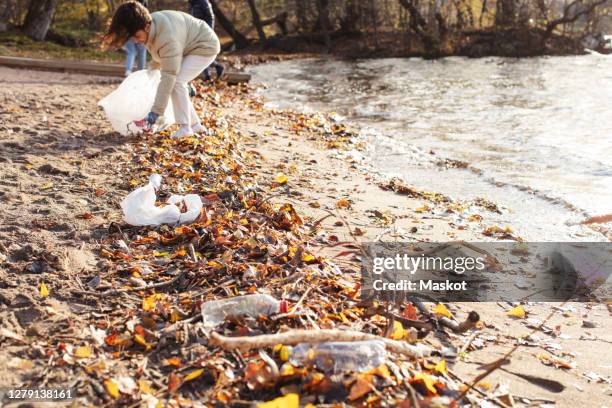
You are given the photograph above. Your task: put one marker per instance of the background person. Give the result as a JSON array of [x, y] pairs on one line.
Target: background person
[[134, 50], [202, 9]]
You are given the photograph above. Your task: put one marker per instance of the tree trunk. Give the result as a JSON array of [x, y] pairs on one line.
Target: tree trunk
[[323, 8], [38, 19], [300, 11], [257, 21], [505, 12], [239, 39]]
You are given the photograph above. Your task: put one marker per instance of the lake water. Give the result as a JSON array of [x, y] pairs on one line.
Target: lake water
[[536, 133]]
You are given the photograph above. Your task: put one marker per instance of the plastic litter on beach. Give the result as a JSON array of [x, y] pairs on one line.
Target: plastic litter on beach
[[132, 101], [214, 312], [340, 357], [139, 207]]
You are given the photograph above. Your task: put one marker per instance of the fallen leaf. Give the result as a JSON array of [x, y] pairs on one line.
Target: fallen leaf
[[194, 374], [83, 352], [286, 401], [441, 310], [174, 382], [518, 311], [145, 387], [410, 312], [343, 203], [281, 178], [44, 291], [112, 388], [140, 340], [360, 388], [149, 302], [441, 367]]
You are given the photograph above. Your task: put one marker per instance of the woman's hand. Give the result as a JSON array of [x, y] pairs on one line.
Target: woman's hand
[[152, 118]]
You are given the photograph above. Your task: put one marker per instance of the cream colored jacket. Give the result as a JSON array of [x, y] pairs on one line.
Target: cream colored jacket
[[174, 35]]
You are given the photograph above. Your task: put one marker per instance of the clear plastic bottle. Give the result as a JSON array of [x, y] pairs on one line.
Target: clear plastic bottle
[[338, 357], [215, 311]]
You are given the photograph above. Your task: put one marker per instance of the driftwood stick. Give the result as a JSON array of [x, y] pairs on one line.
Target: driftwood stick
[[293, 337]]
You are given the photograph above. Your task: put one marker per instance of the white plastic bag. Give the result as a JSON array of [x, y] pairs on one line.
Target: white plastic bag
[[139, 206], [133, 100]]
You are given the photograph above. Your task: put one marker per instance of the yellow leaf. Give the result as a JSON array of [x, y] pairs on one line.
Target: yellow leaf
[[82, 352], [140, 340], [483, 385], [427, 381], [148, 303], [398, 331], [441, 310], [287, 401], [44, 291], [194, 374], [441, 367], [422, 209], [307, 258], [47, 186], [284, 353], [112, 388], [281, 178], [518, 311], [145, 387]]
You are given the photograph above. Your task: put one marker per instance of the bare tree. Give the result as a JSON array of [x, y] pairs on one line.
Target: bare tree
[[257, 20], [240, 41], [39, 17]]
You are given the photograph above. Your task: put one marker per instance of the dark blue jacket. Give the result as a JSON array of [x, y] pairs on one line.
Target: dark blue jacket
[[202, 9]]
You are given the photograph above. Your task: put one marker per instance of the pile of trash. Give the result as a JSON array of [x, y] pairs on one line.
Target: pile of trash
[[215, 295]]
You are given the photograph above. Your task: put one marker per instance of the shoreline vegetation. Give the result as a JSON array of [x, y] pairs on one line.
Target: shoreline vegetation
[[342, 29]]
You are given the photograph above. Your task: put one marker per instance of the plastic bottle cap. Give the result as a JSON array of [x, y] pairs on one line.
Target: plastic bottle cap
[[284, 306]]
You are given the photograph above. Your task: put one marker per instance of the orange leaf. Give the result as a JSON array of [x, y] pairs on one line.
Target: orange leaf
[[174, 382], [410, 312], [360, 388], [174, 361], [343, 203]]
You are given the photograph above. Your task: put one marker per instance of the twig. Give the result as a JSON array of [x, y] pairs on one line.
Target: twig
[[293, 337], [468, 342], [299, 303], [136, 289]]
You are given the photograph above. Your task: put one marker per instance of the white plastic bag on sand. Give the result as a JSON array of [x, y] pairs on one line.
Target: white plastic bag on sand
[[193, 202], [133, 100], [139, 207]]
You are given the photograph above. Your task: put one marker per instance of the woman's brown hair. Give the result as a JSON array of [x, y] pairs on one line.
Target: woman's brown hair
[[129, 18]]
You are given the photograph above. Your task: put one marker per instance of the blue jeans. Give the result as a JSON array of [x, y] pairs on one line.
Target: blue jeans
[[132, 50]]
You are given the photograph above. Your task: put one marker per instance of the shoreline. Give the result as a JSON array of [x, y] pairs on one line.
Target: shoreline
[[573, 229], [62, 227]]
